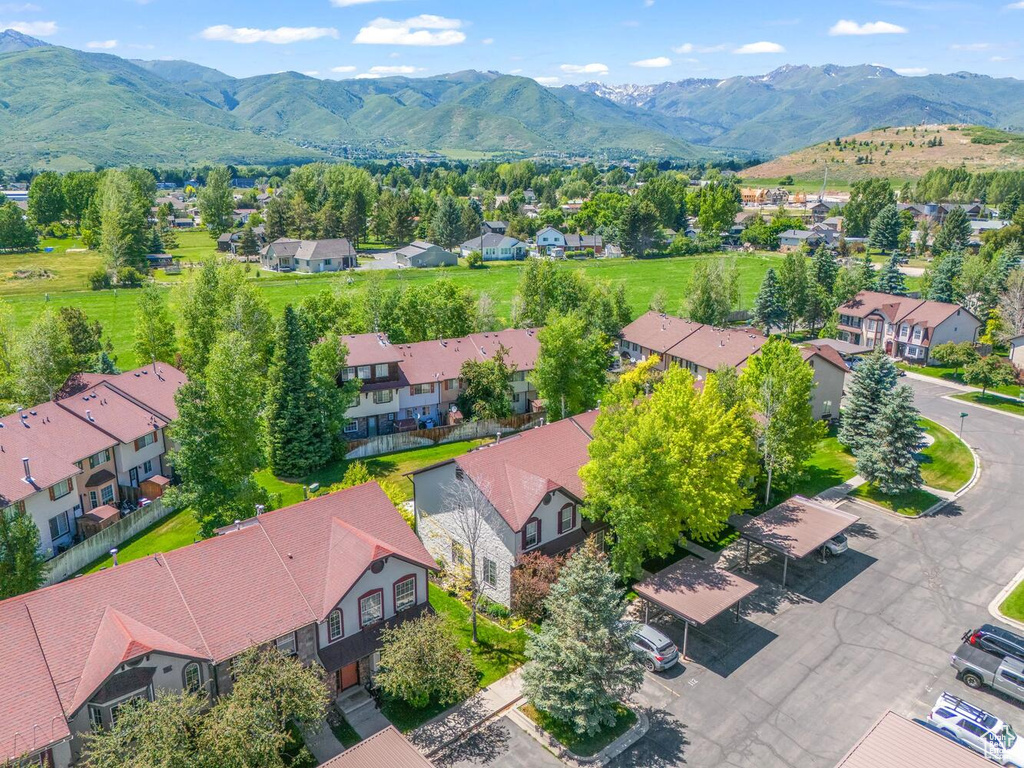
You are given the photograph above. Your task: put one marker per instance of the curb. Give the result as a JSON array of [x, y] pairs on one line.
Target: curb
[[602, 758], [993, 607], [988, 408]]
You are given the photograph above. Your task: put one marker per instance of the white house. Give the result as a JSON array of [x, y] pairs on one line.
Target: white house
[[533, 491], [494, 247]]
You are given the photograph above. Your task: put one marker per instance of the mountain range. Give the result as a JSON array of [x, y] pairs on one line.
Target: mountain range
[[65, 108]]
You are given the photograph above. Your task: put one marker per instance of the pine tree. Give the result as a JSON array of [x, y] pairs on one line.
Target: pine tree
[[944, 277], [294, 430], [885, 229], [871, 383], [955, 232], [583, 663], [156, 243], [769, 307], [446, 226], [890, 279], [825, 268], [888, 458], [248, 245]]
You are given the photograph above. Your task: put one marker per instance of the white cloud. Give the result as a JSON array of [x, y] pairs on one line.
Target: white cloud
[[655, 63], [279, 36], [19, 8], [103, 44], [584, 69], [344, 68], [547, 80], [1016, 6], [971, 46], [515, 71], [998, 58], [648, 3], [692, 48], [487, 40], [386, 71], [762, 47], [32, 28], [910, 71], [847, 27], [425, 29]]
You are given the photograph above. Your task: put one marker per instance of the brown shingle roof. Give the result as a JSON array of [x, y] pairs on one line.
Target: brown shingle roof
[[658, 332], [711, 347], [46, 466], [807, 351], [694, 589], [796, 527], [154, 389], [107, 409], [385, 749], [895, 742]]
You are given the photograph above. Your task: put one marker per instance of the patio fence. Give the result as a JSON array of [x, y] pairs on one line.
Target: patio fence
[[79, 556], [422, 438]]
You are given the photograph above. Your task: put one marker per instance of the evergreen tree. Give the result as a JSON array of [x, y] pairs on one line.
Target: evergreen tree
[[156, 243], [294, 430], [124, 228], [15, 232], [353, 217], [871, 383], [820, 307], [885, 229], [887, 458], [769, 306], [944, 277], [640, 229], [86, 338], [276, 219], [22, 565], [583, 662], [248, 245], [890, 279], [825, 268], [446, 226], [955, 232]]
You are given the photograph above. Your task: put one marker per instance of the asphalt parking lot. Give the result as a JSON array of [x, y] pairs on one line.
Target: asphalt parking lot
[[809, 668]]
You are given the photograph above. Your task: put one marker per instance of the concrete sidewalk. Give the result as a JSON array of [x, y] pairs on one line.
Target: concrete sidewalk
[[483, 705]]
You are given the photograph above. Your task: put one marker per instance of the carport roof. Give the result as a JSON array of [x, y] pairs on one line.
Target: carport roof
[[794, 528], [895, 742], [694, 589]]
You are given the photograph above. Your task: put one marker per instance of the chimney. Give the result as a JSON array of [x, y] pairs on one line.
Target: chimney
[[113, 555], [28, 474], [238, 525]]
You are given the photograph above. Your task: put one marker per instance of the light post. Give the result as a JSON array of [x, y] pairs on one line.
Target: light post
[[963, 415]]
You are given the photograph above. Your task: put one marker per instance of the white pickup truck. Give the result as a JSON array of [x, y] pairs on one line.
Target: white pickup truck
[[978, 668]]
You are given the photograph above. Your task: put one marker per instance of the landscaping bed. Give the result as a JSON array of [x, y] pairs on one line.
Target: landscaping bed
[[909, 504], [581, 745], [993, 401], [1013, 605]]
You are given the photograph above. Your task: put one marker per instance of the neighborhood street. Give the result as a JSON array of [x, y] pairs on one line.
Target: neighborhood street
[[808, 669]]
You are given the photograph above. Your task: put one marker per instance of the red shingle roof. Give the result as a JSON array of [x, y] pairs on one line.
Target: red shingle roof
[[107, 409], [385, 749], [155, 389], [519, 471], [703, 345], [210, 600], [807, 351], [658, 332], [46, 466], [898, 309]]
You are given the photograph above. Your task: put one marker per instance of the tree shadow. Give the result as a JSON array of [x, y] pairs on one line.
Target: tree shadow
[[952, 509], [662, 746], [482, 747]]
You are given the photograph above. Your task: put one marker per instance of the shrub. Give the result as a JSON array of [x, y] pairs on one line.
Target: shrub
[[129, 277], [100, 279], [531, 582], [475, 260]]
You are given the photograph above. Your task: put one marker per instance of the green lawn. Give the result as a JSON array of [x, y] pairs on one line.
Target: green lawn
[[950, 374], [946, 464], [582, 745], [391, 467], [116, 309], [913, 503], [496, 653], [194, 244], [830, 465], [1013, 605], [992, 401], [176, 530]]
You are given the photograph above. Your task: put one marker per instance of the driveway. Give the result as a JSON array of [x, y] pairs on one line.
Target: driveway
[[808, 669], [500, 744]]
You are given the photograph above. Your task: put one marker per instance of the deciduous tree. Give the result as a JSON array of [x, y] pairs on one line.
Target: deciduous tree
[[990, 371], [487, 387], [712, 293], [570, 370], [22, 566]]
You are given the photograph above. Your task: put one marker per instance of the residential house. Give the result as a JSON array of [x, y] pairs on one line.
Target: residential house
[[495, 227], [549, 238], [423, 254], [408, 385], [289, 255], [495, 247], [703, 349], [904, 327], [796, 239], [224, 241], [327, 576], [240, 216], [533, 492], [823, 209], [1017, 351], [979, 228], [594, 243]]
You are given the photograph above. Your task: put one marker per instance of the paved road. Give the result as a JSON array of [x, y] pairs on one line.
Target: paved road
[[808, 670], [501, 743]]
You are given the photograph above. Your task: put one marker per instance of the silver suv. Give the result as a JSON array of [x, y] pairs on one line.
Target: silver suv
[[658, 652], [985, 733]]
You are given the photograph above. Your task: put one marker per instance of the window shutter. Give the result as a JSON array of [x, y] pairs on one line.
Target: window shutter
[[573, 515], [431, 389], [560, 522], [540, 538], [522, 535], [136, 445], [52, 496], [412, 390]]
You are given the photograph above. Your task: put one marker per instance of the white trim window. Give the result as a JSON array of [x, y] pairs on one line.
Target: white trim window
[[531, 534], [371, 609], [286, 644], [490, 572], [193, 677], [405, 594], [334, 626], [95, 717], [565, 516]]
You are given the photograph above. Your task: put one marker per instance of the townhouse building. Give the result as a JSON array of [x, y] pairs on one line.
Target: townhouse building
[[327, 574], [532, 490], [88, 450], [703, 349], [903, 327], [404, 386]]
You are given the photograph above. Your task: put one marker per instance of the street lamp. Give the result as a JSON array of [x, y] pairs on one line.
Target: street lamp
[[963, 415]]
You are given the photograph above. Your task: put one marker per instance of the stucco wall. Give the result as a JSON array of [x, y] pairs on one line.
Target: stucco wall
[[828, 388], [128, 458]]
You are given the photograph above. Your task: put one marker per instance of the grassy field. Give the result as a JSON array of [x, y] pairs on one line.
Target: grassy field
[[496, 653], [992, 401], [40, 272], [1013, 605], [115, 309], [946, 464], [176, 530], [910, 504], [391, 467], [950, 374]]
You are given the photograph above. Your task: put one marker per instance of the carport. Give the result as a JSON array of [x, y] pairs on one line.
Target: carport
[[695, 591], [794, 529]]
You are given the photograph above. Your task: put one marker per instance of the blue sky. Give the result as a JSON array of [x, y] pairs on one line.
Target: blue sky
[[556, 41]]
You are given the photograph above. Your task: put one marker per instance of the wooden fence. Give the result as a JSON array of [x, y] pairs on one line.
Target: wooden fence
[[422, 438]]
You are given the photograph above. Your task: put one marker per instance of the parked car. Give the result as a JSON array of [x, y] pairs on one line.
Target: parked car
[[946, 734], [837, 544], [659, 653], [977, 668], [981, 731], [996, 640]]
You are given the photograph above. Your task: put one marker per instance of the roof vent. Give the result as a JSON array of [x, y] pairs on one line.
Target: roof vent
[[88, 414], [33, 413], [28, 473]]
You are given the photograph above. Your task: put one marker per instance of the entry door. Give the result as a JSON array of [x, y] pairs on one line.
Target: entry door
[[133, 477], [348, 676], [371, 426]]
